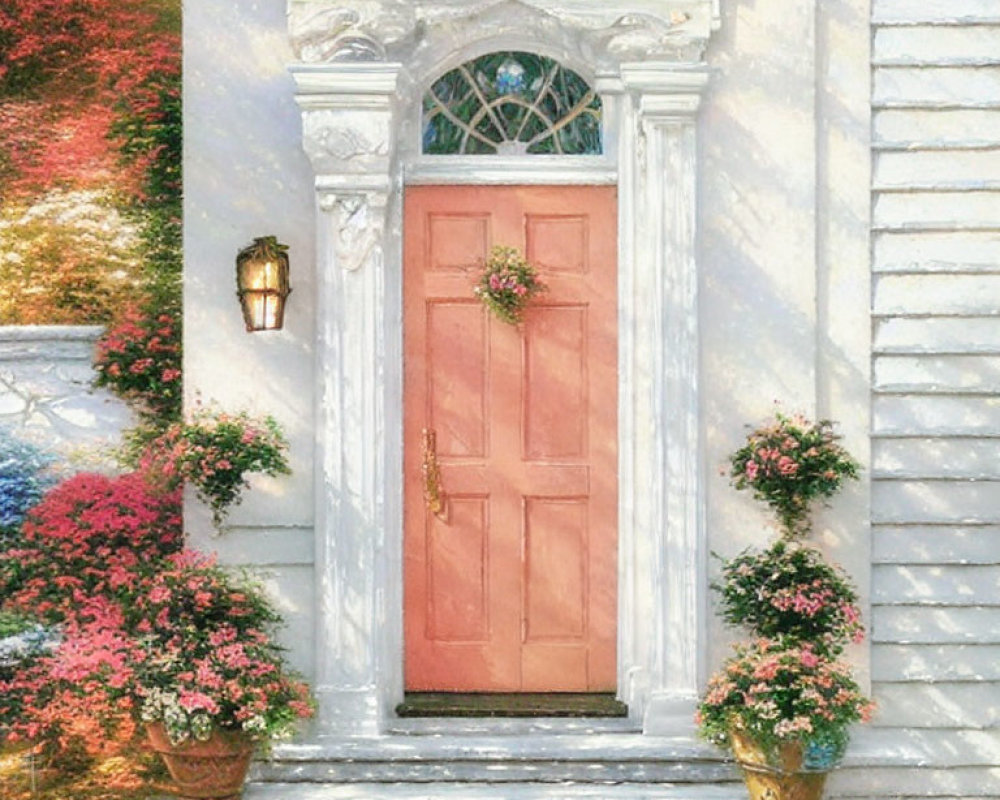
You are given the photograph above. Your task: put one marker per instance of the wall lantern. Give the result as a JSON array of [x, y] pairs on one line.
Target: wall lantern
[[262, 283]]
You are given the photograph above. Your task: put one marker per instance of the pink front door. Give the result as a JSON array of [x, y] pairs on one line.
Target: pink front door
[[511, 586]]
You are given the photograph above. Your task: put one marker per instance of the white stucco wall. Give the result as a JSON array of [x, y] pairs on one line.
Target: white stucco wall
[[783, 216], [245, 176]]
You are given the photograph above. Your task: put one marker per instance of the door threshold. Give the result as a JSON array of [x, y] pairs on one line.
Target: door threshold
[[511, 704]]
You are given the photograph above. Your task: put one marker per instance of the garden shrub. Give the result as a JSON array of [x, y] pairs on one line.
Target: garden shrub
[[86, 538], [139, 359], [71, 257]]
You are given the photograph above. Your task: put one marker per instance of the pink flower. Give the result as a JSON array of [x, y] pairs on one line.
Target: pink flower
[[808, 658]]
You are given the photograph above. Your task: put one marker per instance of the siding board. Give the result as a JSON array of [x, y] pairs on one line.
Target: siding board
[[935, 501], [937, 251], [936, 544], [936, 457], [929, 415], [915, 12], [945, 169], [937, 335], [914, 782], [939, 626], [945, 705], [936, 585], [937, 87], [900, 663], [924, 373], [909, 128], [907, 295], [935, 44], [925, 210]]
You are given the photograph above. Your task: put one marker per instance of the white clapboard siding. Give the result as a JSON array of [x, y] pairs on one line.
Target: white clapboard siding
[[935, 472], [972, 663], [930, 415], [936, 544], [937, 335], [937, 294], [904, 128], [935, 501], [931, 210], [916, 12], [936, 457], [937, 45], [939, 584], [978, 625], [936, 705], [938, 169], [936, 251], [936, 87], [943, 373]]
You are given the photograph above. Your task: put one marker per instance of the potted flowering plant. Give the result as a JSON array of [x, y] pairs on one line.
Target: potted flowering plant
[[507, 284], [207, 678], [214, 451], [789, 463], [783, 703], [773, 693]]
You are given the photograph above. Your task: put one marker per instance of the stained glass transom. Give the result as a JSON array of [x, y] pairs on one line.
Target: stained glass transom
[[511, 103]]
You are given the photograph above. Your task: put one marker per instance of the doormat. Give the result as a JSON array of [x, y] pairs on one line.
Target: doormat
[[504, 704]]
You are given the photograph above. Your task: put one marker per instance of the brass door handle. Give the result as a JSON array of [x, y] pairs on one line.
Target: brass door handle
[[433, 496]]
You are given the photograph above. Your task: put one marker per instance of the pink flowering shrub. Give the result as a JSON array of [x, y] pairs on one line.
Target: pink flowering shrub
[[69, 697], [507, 284], [214, 452], [205, 655], [188, 645], [777, 692], [790, 463], [139, 359], [87, 537], [789, 590]]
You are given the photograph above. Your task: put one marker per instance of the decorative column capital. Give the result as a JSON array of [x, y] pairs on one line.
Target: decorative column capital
[[347, 117], [664, 89]]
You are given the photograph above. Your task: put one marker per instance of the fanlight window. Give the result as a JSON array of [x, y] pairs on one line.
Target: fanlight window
[[511, 103]]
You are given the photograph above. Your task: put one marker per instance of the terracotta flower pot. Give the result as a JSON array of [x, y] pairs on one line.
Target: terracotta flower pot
[[785, 780], [211, 770]]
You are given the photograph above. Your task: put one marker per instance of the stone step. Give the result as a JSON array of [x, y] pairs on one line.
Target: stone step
[[493, 791], [482, 759]]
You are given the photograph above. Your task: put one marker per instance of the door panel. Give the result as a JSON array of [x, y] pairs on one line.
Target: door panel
[[513, 586]]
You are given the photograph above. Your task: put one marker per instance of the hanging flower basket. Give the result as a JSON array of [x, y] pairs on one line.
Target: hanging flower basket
[[507, 284]]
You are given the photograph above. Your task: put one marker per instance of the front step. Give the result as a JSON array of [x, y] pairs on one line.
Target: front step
[[493, 791], [594, 764]]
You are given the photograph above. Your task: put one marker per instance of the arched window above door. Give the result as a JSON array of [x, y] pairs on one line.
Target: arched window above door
[[511, 103]]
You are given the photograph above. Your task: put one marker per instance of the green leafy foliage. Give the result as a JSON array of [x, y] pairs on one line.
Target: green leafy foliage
[[789, 590]]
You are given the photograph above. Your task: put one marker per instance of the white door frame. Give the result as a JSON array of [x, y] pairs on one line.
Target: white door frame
[[360, 115]]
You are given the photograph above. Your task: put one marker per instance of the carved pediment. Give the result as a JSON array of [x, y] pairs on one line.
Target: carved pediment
[[325, 31]]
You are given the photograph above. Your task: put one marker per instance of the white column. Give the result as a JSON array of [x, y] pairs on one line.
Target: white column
[[663, 506], [347, 117]]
